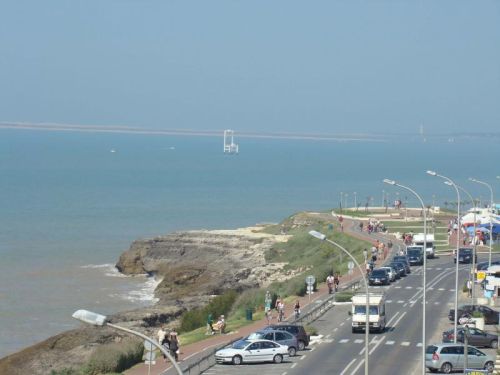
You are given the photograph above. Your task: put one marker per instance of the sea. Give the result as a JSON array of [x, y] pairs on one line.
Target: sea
[[72, 202]]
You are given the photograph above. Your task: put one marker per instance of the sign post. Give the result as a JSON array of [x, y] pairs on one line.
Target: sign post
[[149, 355], [310, 283]]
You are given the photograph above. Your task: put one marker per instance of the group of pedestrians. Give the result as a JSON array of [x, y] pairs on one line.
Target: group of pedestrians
[[372, 226], [169, 341]]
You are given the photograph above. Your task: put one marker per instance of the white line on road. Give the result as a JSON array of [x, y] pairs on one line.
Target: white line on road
[[388, 301], [400, 317], [341, 324], [376, 345], [358, 366], [347, 367], [441, 289], [419, 344], [390, 343], [359, 341], [295, 364], [397, 287], [393, 317], [400, 301], [343, 341], [405, 343], [409, 287]]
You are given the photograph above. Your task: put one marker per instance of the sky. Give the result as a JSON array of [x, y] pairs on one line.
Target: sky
[[323, 67]]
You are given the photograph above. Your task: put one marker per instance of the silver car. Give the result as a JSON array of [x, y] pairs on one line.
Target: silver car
[[450, 357], [281, 337], [392, 272]]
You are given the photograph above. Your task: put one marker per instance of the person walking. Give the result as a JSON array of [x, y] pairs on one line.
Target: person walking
[[469, 288], [336, 281], [210, 323], [329, 282], [174, 345]]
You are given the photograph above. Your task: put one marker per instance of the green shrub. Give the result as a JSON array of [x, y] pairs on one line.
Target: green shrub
[[66, 371], [114, 357], [343, 296], [196, 318], [311, 330]]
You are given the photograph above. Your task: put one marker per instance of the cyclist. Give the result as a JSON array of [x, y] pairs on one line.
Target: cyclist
[[281, 311]]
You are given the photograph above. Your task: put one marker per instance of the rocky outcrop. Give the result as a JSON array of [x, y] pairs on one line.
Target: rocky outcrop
[[192, 265]]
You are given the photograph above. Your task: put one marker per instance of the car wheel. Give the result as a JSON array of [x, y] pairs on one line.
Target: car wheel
[[292, 352], [237, 360], [302, 345], [494, 344], [278, 358], [446, 368], [489, 366], [433, 370]]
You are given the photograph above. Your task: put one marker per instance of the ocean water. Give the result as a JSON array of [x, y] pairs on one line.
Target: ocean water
[[69, 206]]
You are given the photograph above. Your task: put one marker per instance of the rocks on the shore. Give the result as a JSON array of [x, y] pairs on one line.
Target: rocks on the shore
[[193, 266]]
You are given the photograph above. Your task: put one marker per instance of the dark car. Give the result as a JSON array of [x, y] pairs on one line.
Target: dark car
[[484, 265], [403, 259], [398, 266], [415, 257], [476, 337], [490, 315], [465, 255], [295, 329], [379, 277]]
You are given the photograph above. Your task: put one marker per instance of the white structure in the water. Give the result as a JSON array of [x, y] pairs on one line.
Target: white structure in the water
[[229, 146]]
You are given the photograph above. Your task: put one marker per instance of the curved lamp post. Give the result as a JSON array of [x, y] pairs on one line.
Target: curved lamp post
[[394, 183], [92, 318], [451, 183], [474, 245], [491, 208], [322, 237]]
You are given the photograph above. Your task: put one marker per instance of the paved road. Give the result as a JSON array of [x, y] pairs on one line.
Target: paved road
[[396, 351]]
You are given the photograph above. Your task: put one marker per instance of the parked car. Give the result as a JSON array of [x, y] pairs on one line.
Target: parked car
[[391, 271], [281, 337], [415, 256], [483, 266], [295, 329], [476, 337], [243, 351], [450, 357], [404, 260], [490, 315], [464, 255], [399, 267], [379, 277]]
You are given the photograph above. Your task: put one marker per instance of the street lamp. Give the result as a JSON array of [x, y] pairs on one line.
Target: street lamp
[[322, 237], [491, 209], [92, 318], [432, 173], [355, 201], [394, 183], [474, 246]]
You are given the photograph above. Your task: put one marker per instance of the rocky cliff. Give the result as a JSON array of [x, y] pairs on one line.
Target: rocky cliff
[[193, 265]]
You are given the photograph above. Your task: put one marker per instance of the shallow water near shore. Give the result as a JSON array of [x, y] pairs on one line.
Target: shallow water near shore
[[69, 206]]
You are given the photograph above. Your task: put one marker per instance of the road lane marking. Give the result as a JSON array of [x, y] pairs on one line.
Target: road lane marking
[[358, 366], [441, 289], [393, 317], [388, 301], [452, 290], [400, 301], [419, 344], [409, 287], [390, 342], [397, 287], [341, 324], [347, 367], [343, 341], [399, 319], [295, 364], [376, 345], [438, 269], [405, 343], [359, 341], [336, 328]]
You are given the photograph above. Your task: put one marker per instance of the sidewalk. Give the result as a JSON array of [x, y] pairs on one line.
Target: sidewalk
[[189, 351]]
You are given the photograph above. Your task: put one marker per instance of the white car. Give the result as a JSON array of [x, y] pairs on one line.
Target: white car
[[243, 351]]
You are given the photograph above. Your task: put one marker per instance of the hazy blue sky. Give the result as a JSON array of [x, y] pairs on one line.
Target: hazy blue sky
[[322, 66]]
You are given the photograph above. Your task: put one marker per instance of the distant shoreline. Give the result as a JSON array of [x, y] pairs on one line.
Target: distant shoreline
[[199, 133]]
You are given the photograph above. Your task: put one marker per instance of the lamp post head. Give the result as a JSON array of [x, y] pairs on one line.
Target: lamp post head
[[318, 235], [432, 173], [389, 182], [90, 317]]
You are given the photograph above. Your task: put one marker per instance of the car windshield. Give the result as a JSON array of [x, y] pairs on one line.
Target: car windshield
[[400, 259], [396, 265], [414, 253], [240, 344], [255, 336], [465, 251], [378, 273], [360, 310]]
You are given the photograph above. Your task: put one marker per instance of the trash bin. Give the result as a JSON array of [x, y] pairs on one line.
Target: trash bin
[[249, 314]]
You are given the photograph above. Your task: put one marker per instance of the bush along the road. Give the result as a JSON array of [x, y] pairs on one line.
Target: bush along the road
[[197, 318], [343, 296]]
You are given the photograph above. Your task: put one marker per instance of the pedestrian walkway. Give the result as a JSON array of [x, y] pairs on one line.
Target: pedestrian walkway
[[187, 352]]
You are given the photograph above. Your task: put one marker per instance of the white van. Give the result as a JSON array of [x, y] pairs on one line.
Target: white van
[[418, 240], [376, 312]]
